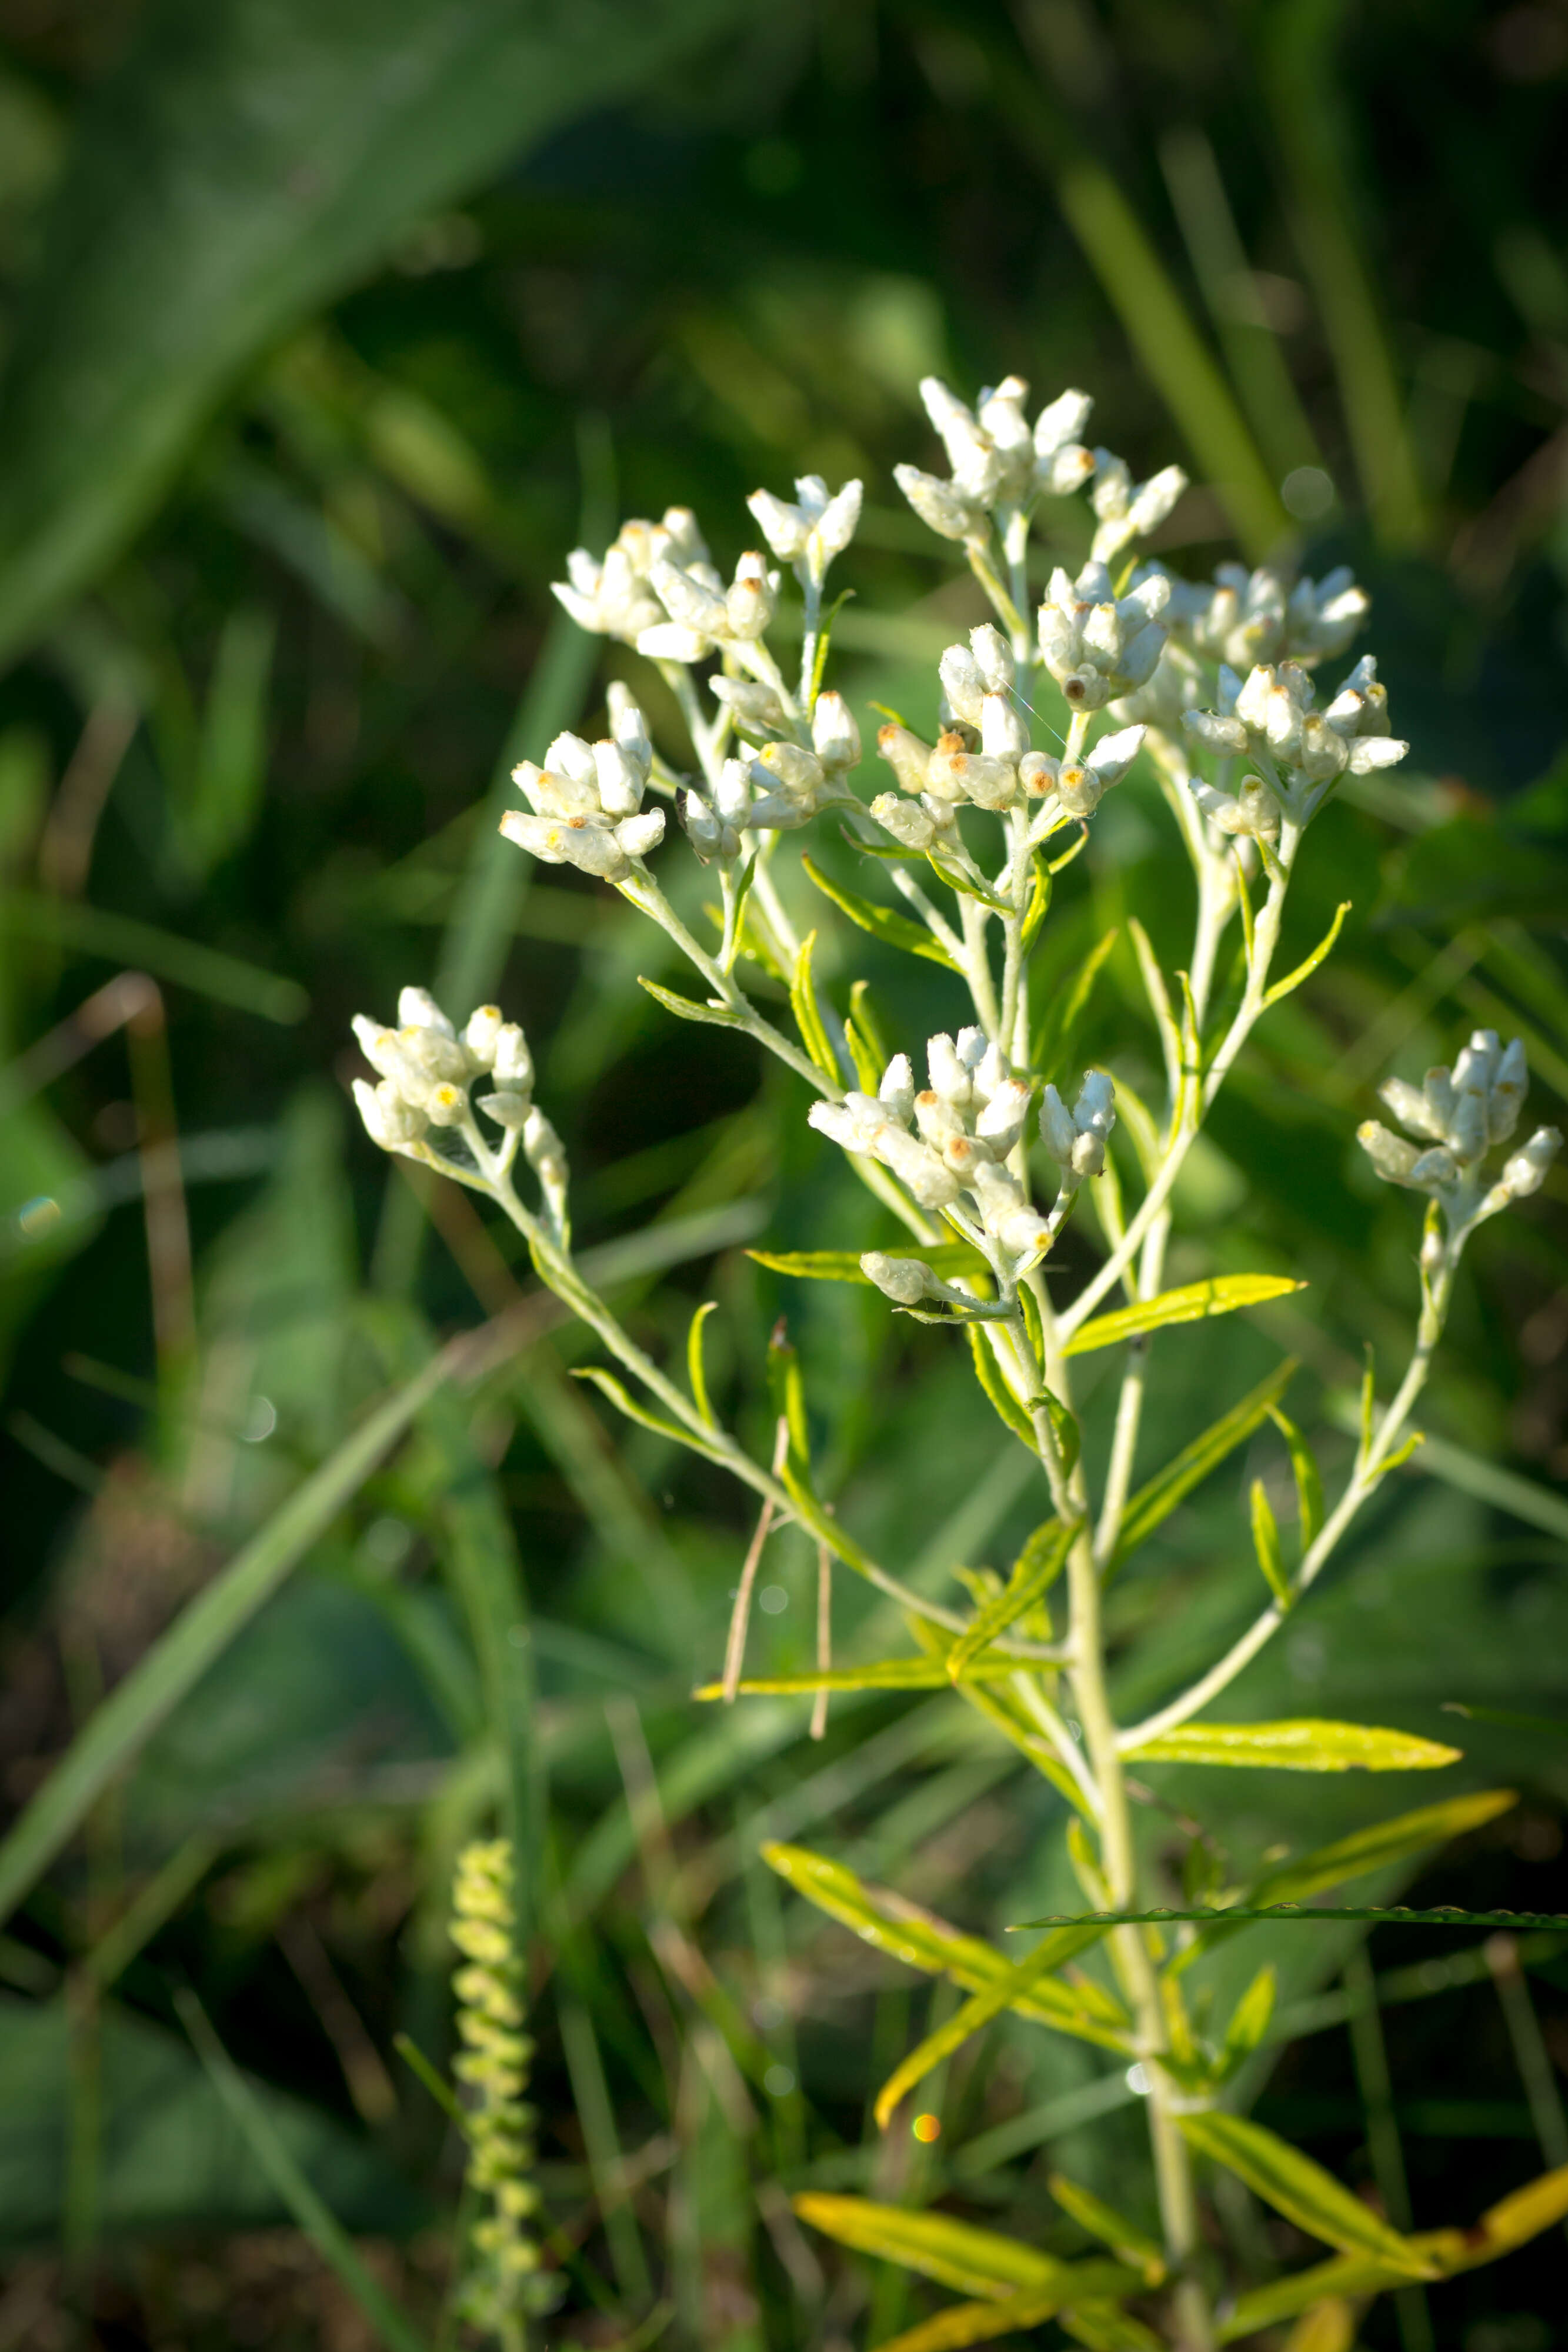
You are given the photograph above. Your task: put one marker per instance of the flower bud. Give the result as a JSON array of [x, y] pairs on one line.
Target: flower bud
[[835, 736], [417, 1009], [897, 1087], [1525, 1172], [620, 780], [902, 1279], [940, 505], [637, 835], [513, 1065], [907, 822], [508, 1110], [479, 1037], [948, 1073]]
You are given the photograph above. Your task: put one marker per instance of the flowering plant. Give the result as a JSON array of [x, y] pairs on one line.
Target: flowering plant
[[1216, 686]]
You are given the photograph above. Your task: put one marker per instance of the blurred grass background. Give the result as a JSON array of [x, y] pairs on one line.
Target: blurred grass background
[[326, 330]]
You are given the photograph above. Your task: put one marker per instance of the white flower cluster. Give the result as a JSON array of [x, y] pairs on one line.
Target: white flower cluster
[[586, 800], [658, 589], [1271, 718], [982, 758], [1077, 1138], [1460, 1114], [425, 1070], [950, 1138], [809, 533], [782, 788], [1243, 617], [1125, 509], [1095, 644], [996, 459]]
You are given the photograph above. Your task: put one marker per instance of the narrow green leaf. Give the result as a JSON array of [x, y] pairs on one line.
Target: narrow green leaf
[[1248, 2023], [1306, 1744], [966, 885], [819, 667], [1292, 980], [1035, 1570], [312, 2216], [905, 1933], [882, 1674], [1402, 1453], [1222, 1295], [988, 1373], [1057, 1030], [946, 1258], [868, 1068], [808, 1012], [1368, 1405], [695, 1371], [894, 931], [1300, 2189], [1509, 2223], [161, 1677], [1029, 1307], [1159, 998], [964, 2324], [1376, 1847], [957, 2254], [1171, 1486], [979, 2011], [1039, 904], [863, 1013], [685, 1008], [1064, 1425], [1309, 1480], [788, 1391], [1113, 2229], [1105, 2327], [1265, 1543], [431, 2078], [624, 1401]]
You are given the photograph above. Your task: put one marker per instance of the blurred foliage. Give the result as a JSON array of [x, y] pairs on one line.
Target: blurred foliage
[[326, 330]]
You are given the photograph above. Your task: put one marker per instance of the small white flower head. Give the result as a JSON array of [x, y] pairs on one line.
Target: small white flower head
[[1246, 618], [905, 1280], [710, 836], [788, 784], [1461, 1114], [757, 711], [813, 530], [1270, 716], [1095, 644], [1076, 1139], [835, 737], [1126, 511], [1080, 786], [1061, 462], [613, 597], [940, 505], [425, 1069], [702, 612], [965, 1122], [586, 801]]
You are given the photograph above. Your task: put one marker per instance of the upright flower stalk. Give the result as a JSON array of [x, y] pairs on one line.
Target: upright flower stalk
[[1216, 686]]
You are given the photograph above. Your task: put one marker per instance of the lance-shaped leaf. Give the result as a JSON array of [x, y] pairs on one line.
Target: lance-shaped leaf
[[1374, 1847], [1036, 1569], [1309, 1479], [978, 2322], [1103, 2222], [1303, 1743], [893, 931], [808, 1012], [988, 1373], [685, 1008], [1302, 2190], [1513, 2221], [978, 2012], [1192, 1303], [621, 1397], [957, 2254], [1266, 1544], [1248, 2024], [1304, 970], [906, 1933], [946, 1258], [1105, 2327], [881, 1673], [1171, 1486]]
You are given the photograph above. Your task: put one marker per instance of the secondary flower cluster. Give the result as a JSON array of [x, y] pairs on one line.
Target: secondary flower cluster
[[778, 790], [1269, 718], [1095, 644], [982, 758], [586, 800], [1243, 617], [952, 1137], [996, 459], [1460, 1114], [425, 1070]]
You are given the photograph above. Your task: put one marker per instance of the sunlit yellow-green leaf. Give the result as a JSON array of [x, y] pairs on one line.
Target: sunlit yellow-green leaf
[[1036, 1569], [1305, 1744], [977, 2323], [975, 2262], [882, 1674], [1103, 2222], [1379, 1843], [1302, 2190], [907, 1933], [978, 2012], [1170, 1485], [1191, 1304]]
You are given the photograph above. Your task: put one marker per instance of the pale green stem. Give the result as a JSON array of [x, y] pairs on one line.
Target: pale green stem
[[1016, 547], [980, 563], [811, 589], [644, 893]]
